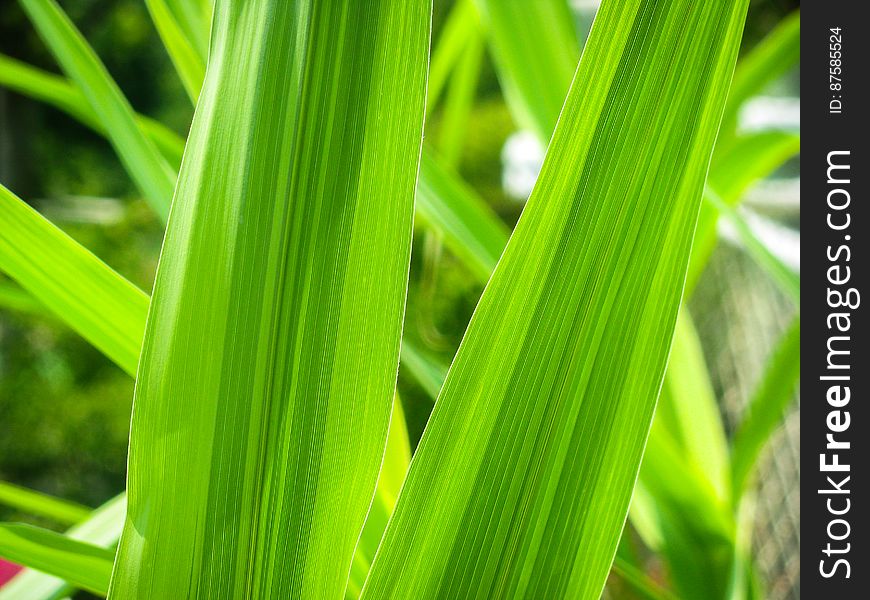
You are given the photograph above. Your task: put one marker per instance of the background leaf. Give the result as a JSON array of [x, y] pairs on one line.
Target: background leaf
[[149, 170], [102, 307], [102, 528], [81, 564]]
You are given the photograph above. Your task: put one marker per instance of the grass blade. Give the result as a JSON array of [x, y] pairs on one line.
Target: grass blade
[[545, 410], [460, 100], [194, 21], [535, 48], [688, 408], [468, 226], [151, 173], [277, 306], [772, 58], [83, 565], [71, 282], [58, 92], [397, 456], [188, 63], [692, 527], [749, 159], [786, 278], [42, 505], [766, 407], [639, 581], [15, 298], [102, 528], [426, 370], [462, 23]]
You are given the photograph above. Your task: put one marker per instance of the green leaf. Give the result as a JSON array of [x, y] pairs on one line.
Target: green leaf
[[786, 278], [681, 516], [102, 528], [467, 225], [75, 285], [268, 367], [639, 581], [681, 506], [83, 565], [543, 417], [535, 49], [60, 93], [151, 173], [397, 456], [766, 406], [189, 64], [749, 159], [194, 21], [460, 99], [42, 505], [15, 298], [688, 408], [462, 23], [428, 372], [770, 59]]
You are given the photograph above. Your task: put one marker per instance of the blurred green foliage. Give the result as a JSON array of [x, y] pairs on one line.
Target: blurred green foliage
[[64, 408]]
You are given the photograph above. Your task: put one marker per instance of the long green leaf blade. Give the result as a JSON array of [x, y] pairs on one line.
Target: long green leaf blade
[[767, 406], [152, 175], [102, 528], [78, 287], [270, 355], [58, 92], [84, 565], [748, 159], [786, 278], [397, 456], [189, 64], [43, 505], [13, 297], [535, 48], [462, 23], [774, 56], [688, 408], [520, 485], [468, 226]]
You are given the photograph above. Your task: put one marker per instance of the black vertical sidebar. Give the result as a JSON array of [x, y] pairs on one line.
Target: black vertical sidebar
[[835, 433]]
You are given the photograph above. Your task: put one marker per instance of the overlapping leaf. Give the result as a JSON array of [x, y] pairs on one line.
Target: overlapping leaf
[[535, 49], [543, 416], [101, 306], [102, 528], [269, 361], [149, 170]]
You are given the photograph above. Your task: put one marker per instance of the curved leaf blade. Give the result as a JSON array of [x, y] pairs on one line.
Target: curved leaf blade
[[269, 361], [152, 175], [102, 528], [766, 407], [83, 565], [43, 505], [545, 411], [75, 285]]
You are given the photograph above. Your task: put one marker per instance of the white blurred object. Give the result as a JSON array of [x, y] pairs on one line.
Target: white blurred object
[[781, 241], [770, 112], [521, 158], [82, 209], [775, 197]]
